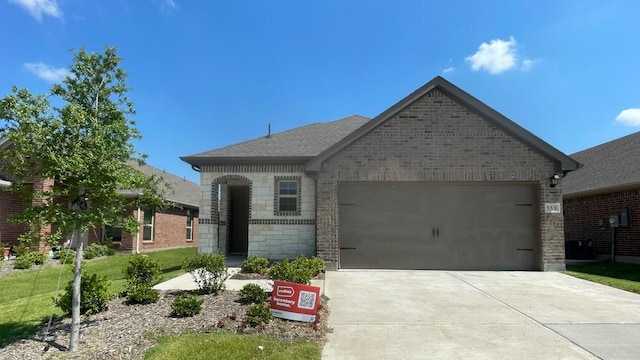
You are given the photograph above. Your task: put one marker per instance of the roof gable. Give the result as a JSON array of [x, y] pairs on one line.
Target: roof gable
[[302, 143], [564, 163], [608, 166], [182, 191]]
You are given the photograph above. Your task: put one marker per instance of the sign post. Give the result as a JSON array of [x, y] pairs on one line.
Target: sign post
[[294, 301]]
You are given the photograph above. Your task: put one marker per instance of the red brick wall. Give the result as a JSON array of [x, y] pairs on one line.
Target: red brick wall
[[169, 231], [581, 217], [10, 204]]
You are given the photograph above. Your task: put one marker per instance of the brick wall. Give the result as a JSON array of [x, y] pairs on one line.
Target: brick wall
[[169, 231], [582, 222], [11, 205], [437, 139]]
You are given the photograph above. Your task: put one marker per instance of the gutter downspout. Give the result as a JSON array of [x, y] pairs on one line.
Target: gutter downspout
[[138, 234]]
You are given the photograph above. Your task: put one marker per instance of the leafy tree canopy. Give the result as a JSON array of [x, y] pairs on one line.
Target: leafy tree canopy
[[85, 146]]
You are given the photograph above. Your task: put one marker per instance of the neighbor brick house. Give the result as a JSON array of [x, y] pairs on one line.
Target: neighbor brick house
[[173, 226], [607, 186], [437, 181]]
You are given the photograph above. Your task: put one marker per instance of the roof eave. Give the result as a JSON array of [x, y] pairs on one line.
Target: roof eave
[[245, 160]]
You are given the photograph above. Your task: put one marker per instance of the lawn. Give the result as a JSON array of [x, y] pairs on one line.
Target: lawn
[[232, 347], [26, 296], [619, 275]]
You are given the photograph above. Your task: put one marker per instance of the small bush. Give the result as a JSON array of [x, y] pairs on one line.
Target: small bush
[[252, 294], [36, 257], [95, 250], [208, 271], [291, 271], [141, 270], [141, 294], [21, 250], [314, 263], [66, 256], [95, 295], [255, 264], [258, 314], [186, 305], [23, 263]]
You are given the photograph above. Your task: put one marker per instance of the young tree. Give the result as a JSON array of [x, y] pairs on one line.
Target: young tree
[[84, 144]]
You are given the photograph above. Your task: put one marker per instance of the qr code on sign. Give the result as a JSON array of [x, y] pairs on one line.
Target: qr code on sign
[[306, 300]]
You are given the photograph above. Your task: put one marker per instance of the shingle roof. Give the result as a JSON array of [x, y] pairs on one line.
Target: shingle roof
[[607, 166], [183, 192], [302, 143]]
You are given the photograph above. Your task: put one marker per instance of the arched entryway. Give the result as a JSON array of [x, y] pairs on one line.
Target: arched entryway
[[231, 207]]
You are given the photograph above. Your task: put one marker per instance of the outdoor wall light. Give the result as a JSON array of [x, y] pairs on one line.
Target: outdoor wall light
[[553, 181]]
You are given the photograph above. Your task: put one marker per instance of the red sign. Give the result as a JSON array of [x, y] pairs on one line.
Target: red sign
[[294, 301]]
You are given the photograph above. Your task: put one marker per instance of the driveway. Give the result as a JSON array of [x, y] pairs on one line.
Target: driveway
[[478, 315]]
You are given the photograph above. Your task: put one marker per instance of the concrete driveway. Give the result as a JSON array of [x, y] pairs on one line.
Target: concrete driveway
[[478, 315]]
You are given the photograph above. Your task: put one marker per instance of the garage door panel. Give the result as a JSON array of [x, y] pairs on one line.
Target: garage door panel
[[418, 225]]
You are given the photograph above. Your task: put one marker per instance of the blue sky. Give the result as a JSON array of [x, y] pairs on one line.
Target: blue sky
[[205, 74]]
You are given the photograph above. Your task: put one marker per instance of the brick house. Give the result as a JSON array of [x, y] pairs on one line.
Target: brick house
[[175, 226], [437, 181], [606, 188]]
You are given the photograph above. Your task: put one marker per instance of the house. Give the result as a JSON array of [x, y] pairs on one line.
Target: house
[[437, 181], [606, 189], [173, 226]]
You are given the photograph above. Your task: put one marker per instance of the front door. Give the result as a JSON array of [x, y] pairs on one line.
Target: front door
[[238, 219]]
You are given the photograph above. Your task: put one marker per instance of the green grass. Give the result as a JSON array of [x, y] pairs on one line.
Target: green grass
[[231, 347], [26, 296], [619, 275]]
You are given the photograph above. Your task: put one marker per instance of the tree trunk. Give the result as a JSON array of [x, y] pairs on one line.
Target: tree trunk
[[75, 300]]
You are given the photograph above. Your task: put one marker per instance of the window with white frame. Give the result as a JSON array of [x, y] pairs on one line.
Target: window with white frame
[[189, 224], [287, 196], [147, 225]]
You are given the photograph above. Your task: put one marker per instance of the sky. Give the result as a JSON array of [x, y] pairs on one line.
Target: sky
[[206, 74]]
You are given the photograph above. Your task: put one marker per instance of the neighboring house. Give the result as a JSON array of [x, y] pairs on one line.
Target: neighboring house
[[437, 181], [174, 226], [606, 188]]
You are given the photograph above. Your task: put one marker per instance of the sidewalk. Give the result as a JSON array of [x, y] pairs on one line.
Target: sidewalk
[[186, 282]]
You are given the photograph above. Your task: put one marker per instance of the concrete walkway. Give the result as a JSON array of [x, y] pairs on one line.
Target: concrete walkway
[[478, 315]]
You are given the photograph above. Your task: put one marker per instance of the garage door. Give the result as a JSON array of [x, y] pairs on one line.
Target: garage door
[[423, 225]]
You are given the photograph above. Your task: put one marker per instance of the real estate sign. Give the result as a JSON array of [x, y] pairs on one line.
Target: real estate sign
[[294, 301]]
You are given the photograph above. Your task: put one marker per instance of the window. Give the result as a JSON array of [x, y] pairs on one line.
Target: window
[[287, 197], [189, 225], [147, 231]]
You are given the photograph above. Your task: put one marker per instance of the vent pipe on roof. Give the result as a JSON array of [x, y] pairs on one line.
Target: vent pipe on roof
[[268, 130]]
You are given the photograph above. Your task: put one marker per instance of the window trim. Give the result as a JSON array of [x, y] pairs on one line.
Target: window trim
[[189, 228], [151, 226], [277, 196]]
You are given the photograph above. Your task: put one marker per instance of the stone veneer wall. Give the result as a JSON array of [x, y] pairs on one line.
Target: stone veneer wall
[[270, 235], [437, 139]]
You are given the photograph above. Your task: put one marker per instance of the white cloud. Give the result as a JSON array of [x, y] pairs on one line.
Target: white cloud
[[46, 72], [450, 69], [495, 57], [168, 5], [629, 117], [37, 8], [527, 64]]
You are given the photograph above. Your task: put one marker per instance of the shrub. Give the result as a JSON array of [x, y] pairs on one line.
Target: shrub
[[258, 314], [95, 295], [314, 263], [208, 271], [36, 257], [295, 271], [23, 263], [141, 274], [255, 264], [186, 305], [142, 294], [141, 270], [95, 250], [252, 294], [66, 256], [21, 249]]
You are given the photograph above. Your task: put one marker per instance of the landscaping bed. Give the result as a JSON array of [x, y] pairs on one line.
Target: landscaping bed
[[127, 331]]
